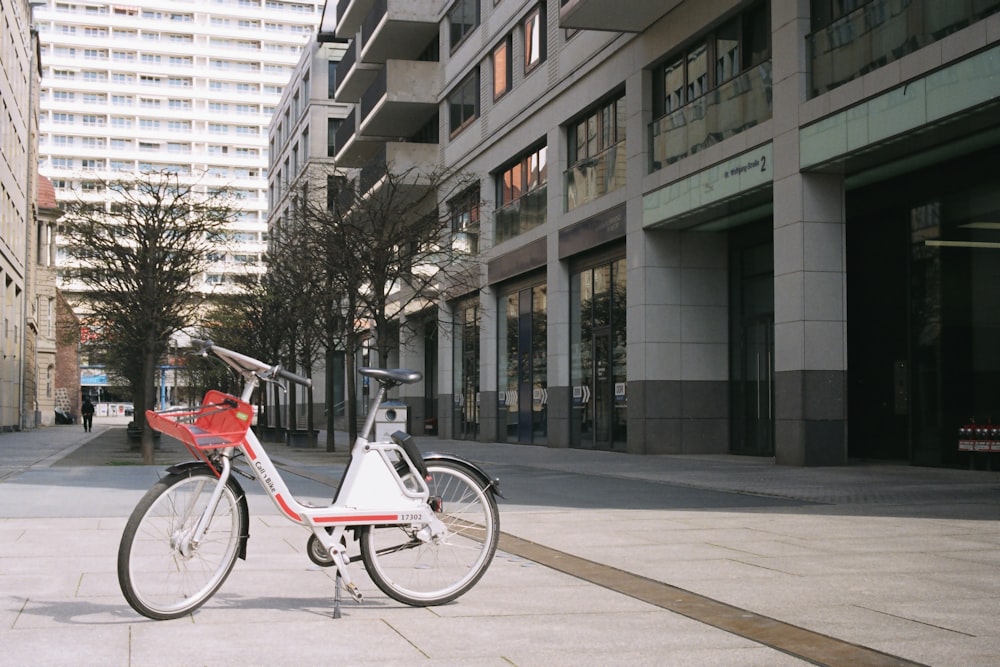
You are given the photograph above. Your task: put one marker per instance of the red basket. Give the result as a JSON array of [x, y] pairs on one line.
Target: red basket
[[221, 421]]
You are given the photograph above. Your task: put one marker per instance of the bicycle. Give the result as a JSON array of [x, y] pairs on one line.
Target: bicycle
[[427, 525]]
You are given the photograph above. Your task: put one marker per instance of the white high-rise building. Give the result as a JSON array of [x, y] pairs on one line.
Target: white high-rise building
[[181, 85]]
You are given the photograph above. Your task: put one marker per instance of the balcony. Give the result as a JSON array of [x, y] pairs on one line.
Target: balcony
[[589, 179], [400, 29], [354, 150], [736, 105], [527, 212], [631, 16], [350, 15], [410, 163], [401, 100], [353, 78], [882, 31]]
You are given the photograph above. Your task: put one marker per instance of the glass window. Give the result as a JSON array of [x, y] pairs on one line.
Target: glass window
[[522, 195], [463, 18], [534, 39], [598, 357], [464, 210], [727, 52], [463, 103], [522, 366], [595, 133], [673, 84], [501, 68], [697, 72], [466, 374]]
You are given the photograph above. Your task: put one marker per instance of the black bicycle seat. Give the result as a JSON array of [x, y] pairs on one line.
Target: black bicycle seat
[[392, 376]]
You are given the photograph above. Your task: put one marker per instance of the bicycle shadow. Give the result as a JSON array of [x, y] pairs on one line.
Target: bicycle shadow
[[84, 612]]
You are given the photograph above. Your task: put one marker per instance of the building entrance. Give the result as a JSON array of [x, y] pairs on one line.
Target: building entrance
[[465, 412], [751, 382], [523, 367], [923, 284], [598, 356]]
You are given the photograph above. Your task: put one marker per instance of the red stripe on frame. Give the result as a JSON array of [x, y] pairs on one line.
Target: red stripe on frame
[[249, 451], [358, 519], [286, 508]]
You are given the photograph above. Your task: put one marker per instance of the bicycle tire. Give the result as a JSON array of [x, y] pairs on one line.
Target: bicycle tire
[[160, 576], [430, 573]]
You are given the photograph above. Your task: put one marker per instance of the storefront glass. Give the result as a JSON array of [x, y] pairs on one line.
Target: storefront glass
[[598, 356], [465, 408], [923, 284], [523, 366]]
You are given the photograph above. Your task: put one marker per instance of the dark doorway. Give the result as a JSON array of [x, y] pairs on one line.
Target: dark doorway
[[751, 381], [877, 349]]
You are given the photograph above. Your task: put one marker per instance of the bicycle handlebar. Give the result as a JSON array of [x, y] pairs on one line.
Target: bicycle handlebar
[[243, 363], [288, 375]]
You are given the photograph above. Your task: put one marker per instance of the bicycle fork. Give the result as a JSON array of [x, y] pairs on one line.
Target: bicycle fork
[[188, 546]]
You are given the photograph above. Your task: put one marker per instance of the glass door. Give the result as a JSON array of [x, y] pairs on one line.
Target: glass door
[[751, 371]]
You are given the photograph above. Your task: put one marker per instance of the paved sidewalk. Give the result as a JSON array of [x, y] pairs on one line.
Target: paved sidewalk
[[898, 559]]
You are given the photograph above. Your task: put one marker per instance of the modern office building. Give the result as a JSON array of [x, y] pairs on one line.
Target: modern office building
[[765, 227], [175, 85]]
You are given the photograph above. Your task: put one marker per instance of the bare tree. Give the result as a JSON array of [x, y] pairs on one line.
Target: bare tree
[[137, 254], [384, 249]]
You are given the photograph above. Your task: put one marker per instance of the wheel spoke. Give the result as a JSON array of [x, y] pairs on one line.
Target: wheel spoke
[[161, 573], [439, 570]]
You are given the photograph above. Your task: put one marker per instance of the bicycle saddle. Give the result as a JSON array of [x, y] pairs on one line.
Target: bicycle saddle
[[392, 376]]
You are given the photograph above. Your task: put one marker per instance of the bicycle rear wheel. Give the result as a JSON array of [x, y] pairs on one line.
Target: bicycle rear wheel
[[430, 573], [161, 573]]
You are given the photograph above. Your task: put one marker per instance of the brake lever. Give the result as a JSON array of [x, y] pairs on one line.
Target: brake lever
[[273, 380]]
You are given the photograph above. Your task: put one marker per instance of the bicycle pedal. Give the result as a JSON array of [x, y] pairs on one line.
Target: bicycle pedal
[[355, 592]]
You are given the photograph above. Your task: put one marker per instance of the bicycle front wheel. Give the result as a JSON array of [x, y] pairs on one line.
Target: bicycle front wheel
[[162, 572], [421, 573]]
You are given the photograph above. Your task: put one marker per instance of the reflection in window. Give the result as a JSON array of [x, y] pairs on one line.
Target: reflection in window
[[463, 17], [534, 39], [521, 195], [501, 68], [463, 103]]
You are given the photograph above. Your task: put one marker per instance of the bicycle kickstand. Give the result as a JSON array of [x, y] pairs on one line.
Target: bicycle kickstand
[[336, 596], [342, 581]]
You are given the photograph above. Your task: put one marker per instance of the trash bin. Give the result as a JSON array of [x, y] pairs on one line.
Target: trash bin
[[390, 417]]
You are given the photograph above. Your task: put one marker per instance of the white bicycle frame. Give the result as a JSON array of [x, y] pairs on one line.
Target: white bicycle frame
[[371, 493]]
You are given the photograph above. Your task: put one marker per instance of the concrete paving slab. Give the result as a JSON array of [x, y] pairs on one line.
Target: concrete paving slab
[[892, 557]]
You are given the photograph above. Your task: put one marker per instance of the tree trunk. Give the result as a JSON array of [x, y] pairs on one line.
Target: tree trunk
[[147, 385], [331, 410], [352, 388]]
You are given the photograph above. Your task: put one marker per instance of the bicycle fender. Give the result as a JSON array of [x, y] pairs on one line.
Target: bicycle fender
[[491, 484], [180, 468]]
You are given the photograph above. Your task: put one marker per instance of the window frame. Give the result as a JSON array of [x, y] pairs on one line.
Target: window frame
[[459, 10], [507, 45], [708, 42], [523, 168], [465, 212], [608, 129], [535, 17], [469, 83]]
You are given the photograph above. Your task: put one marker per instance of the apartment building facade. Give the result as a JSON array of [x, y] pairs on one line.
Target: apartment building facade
[[717, 226], [174, 85]]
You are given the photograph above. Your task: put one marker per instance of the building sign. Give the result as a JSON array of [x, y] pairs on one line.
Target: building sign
[[711, 187]]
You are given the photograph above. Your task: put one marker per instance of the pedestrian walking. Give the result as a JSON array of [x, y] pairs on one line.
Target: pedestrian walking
[[87, 410]]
